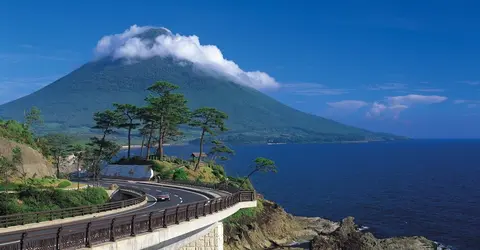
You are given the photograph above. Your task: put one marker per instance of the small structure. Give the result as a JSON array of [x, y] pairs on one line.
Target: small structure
[[129, 172], [195, 155]]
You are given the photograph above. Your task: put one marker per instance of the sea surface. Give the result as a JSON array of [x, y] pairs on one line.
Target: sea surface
[[418, 187]]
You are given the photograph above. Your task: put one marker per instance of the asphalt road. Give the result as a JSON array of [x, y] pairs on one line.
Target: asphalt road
[[177, 197]]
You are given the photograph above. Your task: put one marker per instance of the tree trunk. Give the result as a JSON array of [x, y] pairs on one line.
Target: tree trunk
[[129, 141], [148, 143], [97, 161], [160, 139], [250, 174], [143, 142], [160, 148], [58, 169], [201, 150]]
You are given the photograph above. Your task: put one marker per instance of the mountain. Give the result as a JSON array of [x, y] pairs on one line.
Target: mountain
[[69, 102]]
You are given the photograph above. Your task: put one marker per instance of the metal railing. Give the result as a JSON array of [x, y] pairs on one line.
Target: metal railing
[[87, 234], [36, 217]]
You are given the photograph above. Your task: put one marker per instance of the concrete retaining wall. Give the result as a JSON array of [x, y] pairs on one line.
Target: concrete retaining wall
[[212, 240], [176, 236]]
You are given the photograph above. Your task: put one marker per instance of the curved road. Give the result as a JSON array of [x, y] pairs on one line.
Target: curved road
[[177, 197]]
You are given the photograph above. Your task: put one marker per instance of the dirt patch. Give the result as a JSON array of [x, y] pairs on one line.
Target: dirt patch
[[34, 164]]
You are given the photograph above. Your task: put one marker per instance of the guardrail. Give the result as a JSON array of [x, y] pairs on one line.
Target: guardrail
[[36, 217], [87, 234]]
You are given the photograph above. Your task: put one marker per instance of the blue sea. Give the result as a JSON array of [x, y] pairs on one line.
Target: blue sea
[[418, 187]]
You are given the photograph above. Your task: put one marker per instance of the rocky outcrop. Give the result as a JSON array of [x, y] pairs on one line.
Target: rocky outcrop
[[273, 228], [347, 236], [34, 164]]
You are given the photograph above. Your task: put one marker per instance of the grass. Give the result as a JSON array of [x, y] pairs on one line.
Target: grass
[[245, 214]]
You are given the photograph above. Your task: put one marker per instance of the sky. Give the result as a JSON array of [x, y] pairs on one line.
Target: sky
[[404, 67]]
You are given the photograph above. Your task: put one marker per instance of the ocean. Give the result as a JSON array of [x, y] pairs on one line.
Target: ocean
[[418, 187]]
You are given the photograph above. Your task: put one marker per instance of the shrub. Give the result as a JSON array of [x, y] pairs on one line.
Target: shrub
[[180, 174], [218, 171], [165, 175], [95, 195], [64, 184], [158, 166]]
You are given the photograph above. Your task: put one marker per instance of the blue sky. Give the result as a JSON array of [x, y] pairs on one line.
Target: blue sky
[[407, 67]]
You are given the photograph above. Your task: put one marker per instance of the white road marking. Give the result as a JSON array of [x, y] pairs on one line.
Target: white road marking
[[147, 188], [159, 191], [176, 195]]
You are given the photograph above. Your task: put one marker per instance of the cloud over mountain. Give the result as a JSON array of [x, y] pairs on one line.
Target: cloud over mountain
[[394, 105], [130, 46]]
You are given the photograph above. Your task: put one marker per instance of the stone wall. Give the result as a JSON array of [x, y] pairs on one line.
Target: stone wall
[[213, 240]]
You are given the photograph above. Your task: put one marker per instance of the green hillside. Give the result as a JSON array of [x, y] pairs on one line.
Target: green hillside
[[69, 102]]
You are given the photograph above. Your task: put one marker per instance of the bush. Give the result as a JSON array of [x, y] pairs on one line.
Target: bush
[[32, 199], [165, 175], [218, 171], [158, 166], [95, 195], [179, 174], [64, 184]]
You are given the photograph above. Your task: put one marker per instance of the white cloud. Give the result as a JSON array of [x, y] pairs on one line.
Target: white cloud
[[470, 103], [376, 109], [415, 99], [388, 86], [348, 104], [471, 82], [430, 90], [394, 105], [312, 89], [188, 48], [26, 46]]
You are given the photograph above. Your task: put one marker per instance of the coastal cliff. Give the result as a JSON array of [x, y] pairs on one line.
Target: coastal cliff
[[270, 227]]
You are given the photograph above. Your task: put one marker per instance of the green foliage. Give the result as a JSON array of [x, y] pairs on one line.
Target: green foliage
[[17, 132], [64, 184], [128, 117], [165, 175], [95, 195], [68, 103], [218, 171], [59, 146], [165, 112], [32, 117], [246, 214], [32, 199], [209, 120], [179, 174], [241, 183], [264, 165], [158, 166], [220, 150]]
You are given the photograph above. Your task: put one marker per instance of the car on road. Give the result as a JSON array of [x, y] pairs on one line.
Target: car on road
[[163, 196]]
